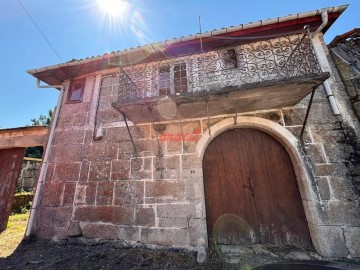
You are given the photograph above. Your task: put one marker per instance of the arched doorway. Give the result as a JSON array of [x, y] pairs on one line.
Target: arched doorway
[[250, 186]]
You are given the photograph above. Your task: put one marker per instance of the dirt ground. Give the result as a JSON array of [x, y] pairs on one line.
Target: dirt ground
[[32, 254]]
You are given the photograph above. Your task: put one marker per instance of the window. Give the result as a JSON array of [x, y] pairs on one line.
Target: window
[[76, 91], [230, 59], [180, 79], [172, 73], [164, 80]]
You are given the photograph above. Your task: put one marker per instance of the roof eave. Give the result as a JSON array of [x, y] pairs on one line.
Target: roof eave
[[44, 72]]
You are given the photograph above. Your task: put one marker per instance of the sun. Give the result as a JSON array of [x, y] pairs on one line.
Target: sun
[[113, 8]]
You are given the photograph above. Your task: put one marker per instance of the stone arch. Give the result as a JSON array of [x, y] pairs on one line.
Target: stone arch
[[307, 187]]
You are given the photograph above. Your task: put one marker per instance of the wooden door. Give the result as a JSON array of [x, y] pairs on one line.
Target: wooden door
[[249, 181]]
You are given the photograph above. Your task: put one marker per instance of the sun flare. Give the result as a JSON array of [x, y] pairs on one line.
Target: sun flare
[[118, 19], [113, 8]]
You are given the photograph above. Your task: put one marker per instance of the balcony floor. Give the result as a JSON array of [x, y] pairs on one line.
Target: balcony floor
[[245, 98]]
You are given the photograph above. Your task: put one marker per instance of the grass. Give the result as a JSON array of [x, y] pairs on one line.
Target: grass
[[13, 235]]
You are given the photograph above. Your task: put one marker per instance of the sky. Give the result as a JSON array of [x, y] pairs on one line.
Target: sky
[[83, 28]]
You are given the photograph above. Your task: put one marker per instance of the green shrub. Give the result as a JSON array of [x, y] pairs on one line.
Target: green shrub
[[22, 202]]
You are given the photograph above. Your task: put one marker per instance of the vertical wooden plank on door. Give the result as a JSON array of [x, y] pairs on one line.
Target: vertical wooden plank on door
[[262, 190], [281, 185], [250, 215], [233, 190], [213, 198], [294, 196]]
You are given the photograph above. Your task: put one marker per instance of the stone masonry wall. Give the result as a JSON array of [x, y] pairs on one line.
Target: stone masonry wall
[[96, 187], [327, 154], [350, 89], [342, 167], [351, 81], [351, 92]]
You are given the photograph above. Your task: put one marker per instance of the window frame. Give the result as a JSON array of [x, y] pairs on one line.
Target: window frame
[[230, 58], [170, 67], [181, 78], [72, 88], [167, 69]]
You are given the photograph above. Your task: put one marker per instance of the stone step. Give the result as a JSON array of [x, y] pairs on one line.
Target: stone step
[[241, 253], [235, 249]]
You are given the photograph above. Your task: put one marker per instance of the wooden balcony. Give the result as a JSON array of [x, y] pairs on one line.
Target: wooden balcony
[[255, 76]]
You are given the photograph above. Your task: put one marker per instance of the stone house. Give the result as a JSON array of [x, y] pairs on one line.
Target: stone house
[[239, 135]]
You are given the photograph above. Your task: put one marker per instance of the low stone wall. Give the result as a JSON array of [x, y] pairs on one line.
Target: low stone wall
[[28, 174], [22, 202]]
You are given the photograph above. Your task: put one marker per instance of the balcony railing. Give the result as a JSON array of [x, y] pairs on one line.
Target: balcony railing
[[274, 59]]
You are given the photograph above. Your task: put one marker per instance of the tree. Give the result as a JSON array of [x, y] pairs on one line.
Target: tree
[[43, 120]]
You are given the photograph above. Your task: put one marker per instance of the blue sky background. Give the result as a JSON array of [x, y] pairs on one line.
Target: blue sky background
[[78, 29]]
